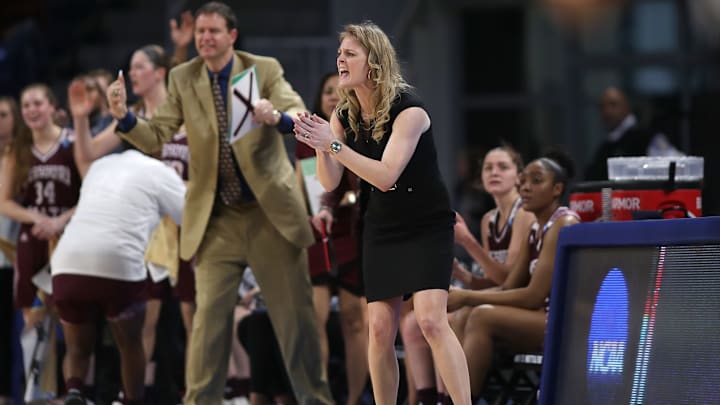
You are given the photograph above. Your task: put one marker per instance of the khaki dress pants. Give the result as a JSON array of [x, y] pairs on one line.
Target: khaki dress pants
[[237, 236]]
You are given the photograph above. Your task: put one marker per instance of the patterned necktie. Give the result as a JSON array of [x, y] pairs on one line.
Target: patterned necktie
[[229, 182]]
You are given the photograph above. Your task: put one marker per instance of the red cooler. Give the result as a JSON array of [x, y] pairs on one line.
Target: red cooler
[[650, 199], [586, 199]]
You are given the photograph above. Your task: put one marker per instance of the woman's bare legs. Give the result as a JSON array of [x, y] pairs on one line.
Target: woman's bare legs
[[152, 315], [457, 322], [127, 332], [239, 362], [431, 314], [405, 309], [418, 357], [354, 325], [79, 345], [383, 319], [522, 329], [321, 303], [257, 398]]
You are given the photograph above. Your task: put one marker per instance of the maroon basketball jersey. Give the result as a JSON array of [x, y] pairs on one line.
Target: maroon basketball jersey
[[499, 239], [176, 154], [53, 183], [536, 234]]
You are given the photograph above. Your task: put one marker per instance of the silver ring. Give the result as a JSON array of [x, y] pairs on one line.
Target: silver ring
[[307, 135]]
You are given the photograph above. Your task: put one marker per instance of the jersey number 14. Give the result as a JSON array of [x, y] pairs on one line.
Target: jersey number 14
[[44, 193]]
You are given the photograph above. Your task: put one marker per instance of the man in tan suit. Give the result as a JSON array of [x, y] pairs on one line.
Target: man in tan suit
[[243, 206]]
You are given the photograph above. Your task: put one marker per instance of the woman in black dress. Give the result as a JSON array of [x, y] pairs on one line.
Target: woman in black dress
[[381, 131]]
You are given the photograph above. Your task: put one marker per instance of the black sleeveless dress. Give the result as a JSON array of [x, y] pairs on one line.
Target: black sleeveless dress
[[407, 242]]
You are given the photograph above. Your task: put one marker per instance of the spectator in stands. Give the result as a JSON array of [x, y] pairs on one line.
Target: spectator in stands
[[626, 137]]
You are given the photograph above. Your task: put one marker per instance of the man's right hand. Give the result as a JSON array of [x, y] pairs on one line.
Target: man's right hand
[[117, 97]]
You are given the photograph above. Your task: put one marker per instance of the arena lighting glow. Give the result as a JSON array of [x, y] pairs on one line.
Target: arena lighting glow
[[647, 331], [607, 339]]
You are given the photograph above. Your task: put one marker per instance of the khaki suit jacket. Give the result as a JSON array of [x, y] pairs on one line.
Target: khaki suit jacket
[[260, 154]]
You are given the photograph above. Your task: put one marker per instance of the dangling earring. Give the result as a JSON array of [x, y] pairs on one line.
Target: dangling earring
[[369, 75]]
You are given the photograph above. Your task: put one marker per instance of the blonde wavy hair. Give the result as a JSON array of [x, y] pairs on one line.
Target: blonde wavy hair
[[384, 73]]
